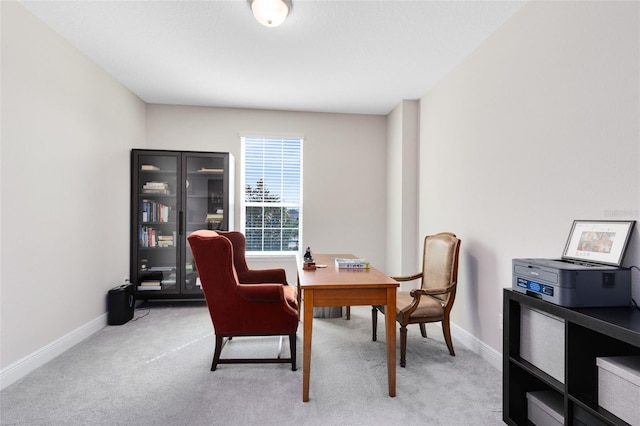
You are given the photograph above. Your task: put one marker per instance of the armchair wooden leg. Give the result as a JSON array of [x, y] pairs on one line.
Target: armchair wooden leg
[[374, 322], [446, 330], [217, 351], [423, 330], [403, 346], [292, 348]]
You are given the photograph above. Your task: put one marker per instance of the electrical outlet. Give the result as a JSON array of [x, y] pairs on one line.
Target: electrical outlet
[[500, 321]]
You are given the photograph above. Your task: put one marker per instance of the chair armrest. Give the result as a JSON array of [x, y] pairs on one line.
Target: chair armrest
[[261, 292], [408, 277], [259, 276], [430, 292], [265, 306]]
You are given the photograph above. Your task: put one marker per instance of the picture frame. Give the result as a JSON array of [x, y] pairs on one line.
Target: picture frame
[[602, 242]]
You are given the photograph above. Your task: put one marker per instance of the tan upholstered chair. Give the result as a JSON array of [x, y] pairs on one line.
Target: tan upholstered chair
[[241, 309], [433, 300]]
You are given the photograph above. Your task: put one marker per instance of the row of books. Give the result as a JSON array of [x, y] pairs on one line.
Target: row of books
[[151, 237], [157, 285], [352, 263], [155, 212], [156, 188]]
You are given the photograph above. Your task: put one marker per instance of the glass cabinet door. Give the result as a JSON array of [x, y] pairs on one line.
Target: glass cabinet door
[[157, 211], [205, 203], [174, 193]]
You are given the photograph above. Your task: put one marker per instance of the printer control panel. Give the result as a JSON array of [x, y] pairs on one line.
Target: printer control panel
[[534, 286]]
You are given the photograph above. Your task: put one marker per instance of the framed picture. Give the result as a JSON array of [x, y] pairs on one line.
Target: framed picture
[[598, 241]]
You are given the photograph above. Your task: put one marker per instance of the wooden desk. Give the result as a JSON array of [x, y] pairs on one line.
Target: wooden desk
[[331, 286]]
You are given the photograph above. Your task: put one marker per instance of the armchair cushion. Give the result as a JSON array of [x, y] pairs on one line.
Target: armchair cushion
[[427, 308]]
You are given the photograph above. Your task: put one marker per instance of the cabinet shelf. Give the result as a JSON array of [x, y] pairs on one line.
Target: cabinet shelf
[[536, 372], [589, 333]]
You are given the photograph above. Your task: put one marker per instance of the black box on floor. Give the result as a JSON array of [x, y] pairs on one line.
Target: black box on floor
[[120, 304]]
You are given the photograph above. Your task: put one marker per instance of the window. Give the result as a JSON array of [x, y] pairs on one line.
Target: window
[[271, 207]]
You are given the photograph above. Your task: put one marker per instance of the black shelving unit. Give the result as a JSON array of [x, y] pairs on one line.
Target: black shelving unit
[[174, 193], [589, 333]]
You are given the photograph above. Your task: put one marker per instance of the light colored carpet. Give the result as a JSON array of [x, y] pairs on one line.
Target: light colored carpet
[[155, 371]]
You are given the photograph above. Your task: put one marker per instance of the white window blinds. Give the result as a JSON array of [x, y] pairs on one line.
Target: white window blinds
[[272, 193]]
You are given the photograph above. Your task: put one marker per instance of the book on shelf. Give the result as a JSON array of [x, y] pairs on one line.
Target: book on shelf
[[155, 185], [214, 221], [146, 236], [146, 287], [152, 237], [155, 188], [165, 241], [155, 212], [150, 284], [156, 191], [162, 268], [147, 167], [352, 263]]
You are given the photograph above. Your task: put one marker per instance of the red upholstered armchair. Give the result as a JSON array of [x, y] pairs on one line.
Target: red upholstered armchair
[[256, 276], [240, 309]]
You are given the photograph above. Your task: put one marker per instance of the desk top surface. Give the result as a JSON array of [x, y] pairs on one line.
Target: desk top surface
[[332, 277]]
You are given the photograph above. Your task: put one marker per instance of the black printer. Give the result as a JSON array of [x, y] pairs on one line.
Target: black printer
[[588, 274]]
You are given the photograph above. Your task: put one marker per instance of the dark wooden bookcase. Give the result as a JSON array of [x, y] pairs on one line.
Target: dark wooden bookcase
[[589, 333], [174, 193]]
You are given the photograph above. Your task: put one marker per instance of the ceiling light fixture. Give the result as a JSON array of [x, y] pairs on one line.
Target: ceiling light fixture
[[270, 13]]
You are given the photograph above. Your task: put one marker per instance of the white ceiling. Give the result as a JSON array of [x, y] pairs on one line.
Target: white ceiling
[[351, 56]]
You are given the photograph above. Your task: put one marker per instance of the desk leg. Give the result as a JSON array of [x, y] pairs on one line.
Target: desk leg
[[306, 345], [390, 318]]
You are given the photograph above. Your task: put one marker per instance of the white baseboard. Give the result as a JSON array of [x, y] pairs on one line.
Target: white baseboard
[[486, 352], [26, 365]]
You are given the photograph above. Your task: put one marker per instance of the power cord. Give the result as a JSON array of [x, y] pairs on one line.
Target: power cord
[[147, 313]]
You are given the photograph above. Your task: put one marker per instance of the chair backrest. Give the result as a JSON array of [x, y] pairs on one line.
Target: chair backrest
[[440, 263], [213, 255], [239, 243]]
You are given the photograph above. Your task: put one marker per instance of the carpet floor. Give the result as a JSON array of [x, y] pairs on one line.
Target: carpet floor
[[154, 370]]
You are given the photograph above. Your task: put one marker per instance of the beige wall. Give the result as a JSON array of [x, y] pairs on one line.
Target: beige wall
[[344, 166], [67, 128], [403, 131], [536, 128]]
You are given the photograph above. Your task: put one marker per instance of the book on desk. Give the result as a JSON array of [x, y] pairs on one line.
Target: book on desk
[[352, 263]]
